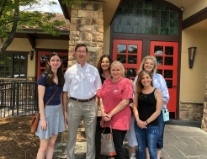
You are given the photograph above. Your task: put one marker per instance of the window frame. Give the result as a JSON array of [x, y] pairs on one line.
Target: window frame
[[11, 67]]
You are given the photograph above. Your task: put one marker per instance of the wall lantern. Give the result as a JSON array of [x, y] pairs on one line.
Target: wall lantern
[[191, 56]]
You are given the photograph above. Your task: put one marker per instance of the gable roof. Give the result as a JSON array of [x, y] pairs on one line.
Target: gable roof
[[35, 33]]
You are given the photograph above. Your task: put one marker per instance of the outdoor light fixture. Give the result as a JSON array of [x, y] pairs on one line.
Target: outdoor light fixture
[[191, 56]]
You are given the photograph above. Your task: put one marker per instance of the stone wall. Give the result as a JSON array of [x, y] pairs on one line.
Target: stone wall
[[191, 111], [204, 119], [87, 26]]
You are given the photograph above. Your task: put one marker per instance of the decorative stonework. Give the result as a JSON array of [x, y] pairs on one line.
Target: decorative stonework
[[87, 26], [191, 111], [204, 119]]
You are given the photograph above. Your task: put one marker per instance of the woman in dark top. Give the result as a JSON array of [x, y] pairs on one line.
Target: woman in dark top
[[103, 67], [148, 104], [51, 115]]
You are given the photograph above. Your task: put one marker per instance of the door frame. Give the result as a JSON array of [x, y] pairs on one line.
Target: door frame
[[174, 67]]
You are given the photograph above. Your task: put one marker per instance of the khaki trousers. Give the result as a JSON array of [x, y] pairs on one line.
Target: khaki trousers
[[76, 112]]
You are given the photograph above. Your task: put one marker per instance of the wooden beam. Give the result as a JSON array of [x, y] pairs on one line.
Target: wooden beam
[[65, 10], [194, 19], [31, 40]]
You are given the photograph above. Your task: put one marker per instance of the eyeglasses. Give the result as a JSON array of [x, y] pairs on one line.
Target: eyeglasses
[[81, 52]]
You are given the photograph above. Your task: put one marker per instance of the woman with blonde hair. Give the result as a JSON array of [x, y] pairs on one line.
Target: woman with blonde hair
[[149, 63], [115, 95]]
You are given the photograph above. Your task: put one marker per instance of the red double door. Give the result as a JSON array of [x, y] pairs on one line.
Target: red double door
[[129, 52]]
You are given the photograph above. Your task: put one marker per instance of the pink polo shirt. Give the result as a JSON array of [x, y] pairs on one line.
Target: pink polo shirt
[[112, 93]]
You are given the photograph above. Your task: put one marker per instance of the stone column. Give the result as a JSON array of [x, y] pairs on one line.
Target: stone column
[[204, 120], [87, 27]]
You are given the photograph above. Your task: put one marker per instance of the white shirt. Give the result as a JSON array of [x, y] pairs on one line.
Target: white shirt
[[82, 82]]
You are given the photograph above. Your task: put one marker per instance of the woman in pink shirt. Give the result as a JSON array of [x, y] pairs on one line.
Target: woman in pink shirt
[[115, 95]]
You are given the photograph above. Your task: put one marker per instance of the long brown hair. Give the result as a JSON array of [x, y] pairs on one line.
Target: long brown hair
[[50, 75], [139, 85], [100, 70]]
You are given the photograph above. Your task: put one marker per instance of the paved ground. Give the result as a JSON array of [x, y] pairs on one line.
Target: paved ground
[[185, 142], [182, 140]]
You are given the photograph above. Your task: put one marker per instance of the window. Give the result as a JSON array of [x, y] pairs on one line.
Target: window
[[13, 65], [146, 17]]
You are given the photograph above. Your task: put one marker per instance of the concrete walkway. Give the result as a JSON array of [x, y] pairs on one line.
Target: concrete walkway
[[182, 140]]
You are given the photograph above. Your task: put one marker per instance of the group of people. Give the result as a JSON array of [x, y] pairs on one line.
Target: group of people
[[76, 95]]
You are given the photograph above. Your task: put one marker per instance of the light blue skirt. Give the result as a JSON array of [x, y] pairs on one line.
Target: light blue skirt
[[55, 122]]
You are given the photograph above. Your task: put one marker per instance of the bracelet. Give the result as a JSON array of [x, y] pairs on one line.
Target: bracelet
[[146, 122]]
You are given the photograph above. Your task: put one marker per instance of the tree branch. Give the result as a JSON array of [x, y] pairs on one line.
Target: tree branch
[[2, 6], [10, 37]]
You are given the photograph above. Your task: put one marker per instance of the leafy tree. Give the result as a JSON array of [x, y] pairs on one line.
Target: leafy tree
[[13, 19]]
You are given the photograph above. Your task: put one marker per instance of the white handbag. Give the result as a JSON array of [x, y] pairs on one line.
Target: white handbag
[[107, 144], [165, 114]]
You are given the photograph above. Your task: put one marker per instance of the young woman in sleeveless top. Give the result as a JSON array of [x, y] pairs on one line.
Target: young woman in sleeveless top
[[149, 63], [147, 107]]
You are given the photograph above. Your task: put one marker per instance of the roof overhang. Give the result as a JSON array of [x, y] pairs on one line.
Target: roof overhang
[[65, 10], [33, 35], [194, 13], [197, 17], [110, 7]]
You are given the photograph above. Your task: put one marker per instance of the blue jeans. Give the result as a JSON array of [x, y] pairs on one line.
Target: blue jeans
[[161, 126], [147, 138]]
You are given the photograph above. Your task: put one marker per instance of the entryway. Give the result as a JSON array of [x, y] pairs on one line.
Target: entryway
[[129, 52]]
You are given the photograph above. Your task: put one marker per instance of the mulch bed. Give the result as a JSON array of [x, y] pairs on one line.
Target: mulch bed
[[16, 141]]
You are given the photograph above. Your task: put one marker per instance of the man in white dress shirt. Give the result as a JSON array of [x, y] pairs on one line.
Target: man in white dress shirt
[[82, 81]]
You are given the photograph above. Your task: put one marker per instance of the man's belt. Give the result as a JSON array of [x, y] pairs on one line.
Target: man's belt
[[82, 100]]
